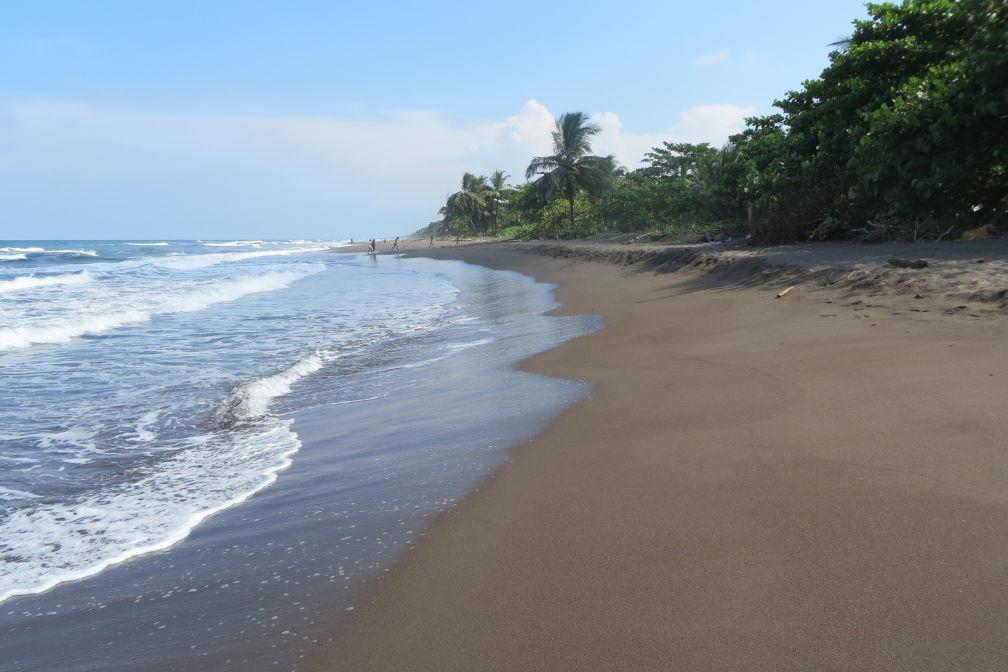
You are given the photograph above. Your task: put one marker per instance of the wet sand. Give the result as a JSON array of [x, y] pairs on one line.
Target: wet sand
[[812, 482]]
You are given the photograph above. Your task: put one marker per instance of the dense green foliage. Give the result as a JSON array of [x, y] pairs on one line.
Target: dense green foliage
[[904, 135], [908, 125]]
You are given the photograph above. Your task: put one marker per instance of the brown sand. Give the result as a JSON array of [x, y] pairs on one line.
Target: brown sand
[[755, 484]]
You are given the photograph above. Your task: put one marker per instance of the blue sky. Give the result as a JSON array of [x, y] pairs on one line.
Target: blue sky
[[330, 119]]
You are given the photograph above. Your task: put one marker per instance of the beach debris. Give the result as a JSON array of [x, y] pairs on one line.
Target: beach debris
[[908, 263], [783, 292]]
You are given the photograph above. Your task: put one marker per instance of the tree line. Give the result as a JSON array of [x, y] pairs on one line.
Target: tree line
[[904, 136]]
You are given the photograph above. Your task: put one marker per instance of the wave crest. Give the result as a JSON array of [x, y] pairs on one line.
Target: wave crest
[[24, 282], [41, 250], [74, 326], [251, 400]]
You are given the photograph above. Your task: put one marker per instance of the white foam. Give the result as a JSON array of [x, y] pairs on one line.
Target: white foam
[[143, 424], [196, 261], [77, 444], [11, 493], [58, 542], [146, 244], [12, 257], [469, 344], [41, 250], [235, 243], [24, 282], [254, 397], [53, 543], [70, 326]]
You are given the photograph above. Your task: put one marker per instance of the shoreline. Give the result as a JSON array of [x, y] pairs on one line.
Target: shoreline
[[257, 584], [753, 484]]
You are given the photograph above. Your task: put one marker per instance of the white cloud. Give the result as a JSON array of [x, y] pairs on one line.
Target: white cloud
[[711, 123], [99, 164], [703, 123], [35, 133], [713, 57], [532, 128], [204, 167]]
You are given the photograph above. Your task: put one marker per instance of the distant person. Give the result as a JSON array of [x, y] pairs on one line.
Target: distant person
[[395, 244], [371, 248], [431, 240]]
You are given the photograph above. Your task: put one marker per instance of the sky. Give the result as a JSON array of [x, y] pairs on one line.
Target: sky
[[328, 119]]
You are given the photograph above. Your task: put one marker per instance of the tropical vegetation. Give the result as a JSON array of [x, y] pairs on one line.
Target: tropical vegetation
[[904, 135]]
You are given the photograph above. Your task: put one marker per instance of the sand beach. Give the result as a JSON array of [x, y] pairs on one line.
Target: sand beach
[[815, 481]]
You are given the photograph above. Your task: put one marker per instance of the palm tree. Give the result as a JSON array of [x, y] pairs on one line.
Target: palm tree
[[572, 168], [495, 195], [468, 206]]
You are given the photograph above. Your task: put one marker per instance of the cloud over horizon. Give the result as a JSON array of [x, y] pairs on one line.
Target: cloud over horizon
[[161, 173]]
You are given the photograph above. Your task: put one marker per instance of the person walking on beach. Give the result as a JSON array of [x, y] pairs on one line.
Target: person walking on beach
[[431, 240], [371, 248], [395, 244]]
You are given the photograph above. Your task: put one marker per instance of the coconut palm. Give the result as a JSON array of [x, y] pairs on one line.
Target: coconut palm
[[572, 168], [467, 208], [495, 196]]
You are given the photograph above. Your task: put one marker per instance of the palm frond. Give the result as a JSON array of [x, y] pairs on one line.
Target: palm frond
[[573, 134], [498, 180], [540, 165]]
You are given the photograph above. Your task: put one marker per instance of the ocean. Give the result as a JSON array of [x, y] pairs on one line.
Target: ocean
[[209, 448]]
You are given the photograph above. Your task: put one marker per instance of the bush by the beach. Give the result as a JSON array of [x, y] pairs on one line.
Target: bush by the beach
[[904, 135]]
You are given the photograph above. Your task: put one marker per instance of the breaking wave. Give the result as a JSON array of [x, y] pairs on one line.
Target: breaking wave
[[24, 282], [235, 243], [210, 474], [42, 250], [196, 261], [251, 400], [71, 326]]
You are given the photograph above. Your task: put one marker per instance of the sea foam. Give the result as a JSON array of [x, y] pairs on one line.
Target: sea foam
[[251, 400], [70, 326], [197, 261], [235, 243], [212, 472], [24, 282], [42, 250], [51, 543]]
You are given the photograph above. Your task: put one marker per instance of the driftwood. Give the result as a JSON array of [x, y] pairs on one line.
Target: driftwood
[[783, 292], [908, 263]]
